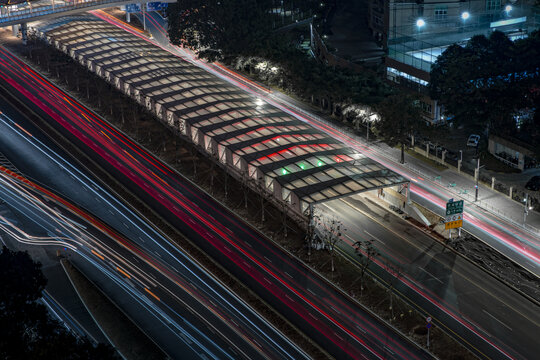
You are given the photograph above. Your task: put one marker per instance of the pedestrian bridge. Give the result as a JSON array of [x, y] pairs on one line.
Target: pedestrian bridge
[[39, 10]]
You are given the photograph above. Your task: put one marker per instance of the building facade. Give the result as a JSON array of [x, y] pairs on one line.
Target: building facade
[[415, 33]]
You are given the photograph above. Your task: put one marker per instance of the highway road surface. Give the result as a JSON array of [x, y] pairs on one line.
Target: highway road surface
[[172, 297], [330, 318], [484, 314]]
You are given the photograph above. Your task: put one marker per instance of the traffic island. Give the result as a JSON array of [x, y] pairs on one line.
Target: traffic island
[[121, 332]]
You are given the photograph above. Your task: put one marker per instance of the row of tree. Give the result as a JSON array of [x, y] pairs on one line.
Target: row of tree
[[218, 28], [488, 80], [27, 331], [242, 29]]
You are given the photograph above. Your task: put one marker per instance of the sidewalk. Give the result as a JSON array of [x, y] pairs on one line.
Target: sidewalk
[[463, 187]]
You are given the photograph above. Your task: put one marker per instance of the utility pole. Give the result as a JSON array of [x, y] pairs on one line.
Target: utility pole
[[476, 177], [143, 5], [367, 133]]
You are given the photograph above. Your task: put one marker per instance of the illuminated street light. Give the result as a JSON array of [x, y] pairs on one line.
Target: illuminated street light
[[508, 8], [465, 15], [420, 23]]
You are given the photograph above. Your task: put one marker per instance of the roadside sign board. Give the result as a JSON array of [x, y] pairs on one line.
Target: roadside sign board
[[454, 207], [156, 6], [454, 214], [453, 221], [133, 8], [455, 217]]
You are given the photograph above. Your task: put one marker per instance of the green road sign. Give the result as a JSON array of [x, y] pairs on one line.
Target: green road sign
[[454, 207]]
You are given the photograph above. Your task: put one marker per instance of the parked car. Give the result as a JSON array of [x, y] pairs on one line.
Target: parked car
[[533, 183], [473, 140]]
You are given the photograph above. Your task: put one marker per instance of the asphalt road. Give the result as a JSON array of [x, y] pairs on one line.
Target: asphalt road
[[192, 307], [338, 324], [506, 236], [482, 312]]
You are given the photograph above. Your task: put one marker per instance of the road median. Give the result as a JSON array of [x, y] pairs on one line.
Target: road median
[[122, 333]]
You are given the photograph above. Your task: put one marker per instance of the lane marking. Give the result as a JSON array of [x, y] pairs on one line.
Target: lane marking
[[98, 255], [430, 274], [361, 329], [374, 237], [151, 293], [499, 321], [123, 272]]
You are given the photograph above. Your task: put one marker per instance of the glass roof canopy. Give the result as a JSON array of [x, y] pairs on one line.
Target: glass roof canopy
[[292, 160]]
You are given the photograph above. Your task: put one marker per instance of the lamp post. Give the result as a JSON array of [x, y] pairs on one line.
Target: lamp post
[[464, 17], [526, 207], [476, 176], [368, 123], [369, 119]]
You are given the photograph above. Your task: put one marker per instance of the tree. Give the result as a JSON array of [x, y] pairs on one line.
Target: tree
[[486, 81], [27, 331], [217, 28], [399, 116], [367, 253], [396, 271], [330, 229]]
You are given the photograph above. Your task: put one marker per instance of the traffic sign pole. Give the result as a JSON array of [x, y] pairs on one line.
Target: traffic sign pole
[[428, 325], [454, 216]]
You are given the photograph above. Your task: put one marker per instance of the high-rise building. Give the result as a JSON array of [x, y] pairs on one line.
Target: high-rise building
[[415, 33]]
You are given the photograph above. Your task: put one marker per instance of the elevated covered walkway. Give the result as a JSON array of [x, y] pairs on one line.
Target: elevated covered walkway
[[276, 154]]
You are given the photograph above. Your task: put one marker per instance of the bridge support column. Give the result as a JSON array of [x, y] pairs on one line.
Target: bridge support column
[[15, 29], [128, 17], [24, 33]]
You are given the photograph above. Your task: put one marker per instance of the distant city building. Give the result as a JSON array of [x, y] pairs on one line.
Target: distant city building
[[416, 33], [511, 151]]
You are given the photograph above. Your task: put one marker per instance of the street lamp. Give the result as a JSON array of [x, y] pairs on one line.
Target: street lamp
[[508, 8], [369, 119], [420, 23], [477, 175], [465, 15], [526, 208]]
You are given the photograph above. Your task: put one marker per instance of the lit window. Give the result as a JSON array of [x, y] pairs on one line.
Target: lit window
[[441, 13]]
